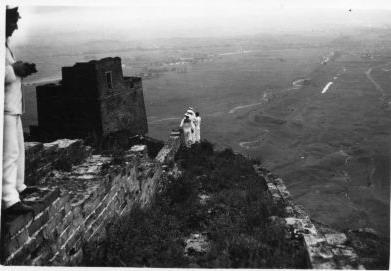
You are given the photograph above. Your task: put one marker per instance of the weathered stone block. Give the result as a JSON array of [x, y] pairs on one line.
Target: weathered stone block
[[74, 243], [320, 252], [22, 237], [98, 221], [101, 206], [168, 151], [272, 187], [76, 259], [49, 231], [90, 205], [113, 192], [336, 238], [121, 195], [77, 212], [91, 218], [68, 231], [52, 209], [38, 222], [18, 258], [42, 200], [10, 247], [277, 197], [35, 242], [278, 181], [78, 221], [312, 239], [67, 207], [63, 199], [67, 219], [38, 260], [28, 260], [15, 223], [32, 148], [58, 258], [59, 217], [140, 150], [89, 231], [97, 232], [299, 211], [51, 196], [325, 265]]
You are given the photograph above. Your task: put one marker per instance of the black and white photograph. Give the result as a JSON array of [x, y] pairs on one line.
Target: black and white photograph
[[197, 134]]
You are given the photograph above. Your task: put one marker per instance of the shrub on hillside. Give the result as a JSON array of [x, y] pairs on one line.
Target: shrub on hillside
[[140, 239], [234, 219]]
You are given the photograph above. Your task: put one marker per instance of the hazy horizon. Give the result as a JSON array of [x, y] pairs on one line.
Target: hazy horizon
[[166, 19]]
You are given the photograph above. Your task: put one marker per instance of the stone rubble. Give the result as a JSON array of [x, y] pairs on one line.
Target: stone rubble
[[196, 243]]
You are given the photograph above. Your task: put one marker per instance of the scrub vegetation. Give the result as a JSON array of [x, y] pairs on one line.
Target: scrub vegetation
[[233, 217]]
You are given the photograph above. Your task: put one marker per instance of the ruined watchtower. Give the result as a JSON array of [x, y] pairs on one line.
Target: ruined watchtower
[[93, 99]]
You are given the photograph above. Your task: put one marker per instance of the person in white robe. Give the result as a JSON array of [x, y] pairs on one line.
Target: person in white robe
[[188, 130], [197, 125], [192, 117]]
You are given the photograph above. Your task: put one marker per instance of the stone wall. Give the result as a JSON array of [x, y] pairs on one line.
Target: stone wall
[[42, 158], [73, 206], [324, 250]]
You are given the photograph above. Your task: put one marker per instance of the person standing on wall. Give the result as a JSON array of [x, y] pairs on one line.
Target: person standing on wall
[[188, 130], [192, 117], [197, 124], [13, 142]]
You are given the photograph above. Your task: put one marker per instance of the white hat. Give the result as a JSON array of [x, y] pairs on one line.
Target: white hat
[[190, 112]]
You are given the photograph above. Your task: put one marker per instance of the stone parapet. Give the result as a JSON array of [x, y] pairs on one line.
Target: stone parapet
[[170, 148], [324, 251], [73, 206]]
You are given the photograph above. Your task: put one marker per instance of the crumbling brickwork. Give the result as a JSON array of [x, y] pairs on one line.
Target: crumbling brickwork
[[74, 205], [324, 251]]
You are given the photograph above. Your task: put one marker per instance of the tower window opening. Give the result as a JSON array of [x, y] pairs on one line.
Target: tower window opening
[[109, 80]]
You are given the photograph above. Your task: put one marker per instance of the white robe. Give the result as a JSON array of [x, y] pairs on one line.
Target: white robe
[[197, 132], [13, 142], [188, 130], [13, 99], [192, 117]]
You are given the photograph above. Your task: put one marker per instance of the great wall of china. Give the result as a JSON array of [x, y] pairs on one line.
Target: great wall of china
[[78, 199]]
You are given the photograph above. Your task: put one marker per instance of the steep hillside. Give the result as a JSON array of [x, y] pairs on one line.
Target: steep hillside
[[214, 212]]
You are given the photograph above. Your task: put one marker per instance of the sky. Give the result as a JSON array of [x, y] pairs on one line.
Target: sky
[[356, 4], [149, 19]]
